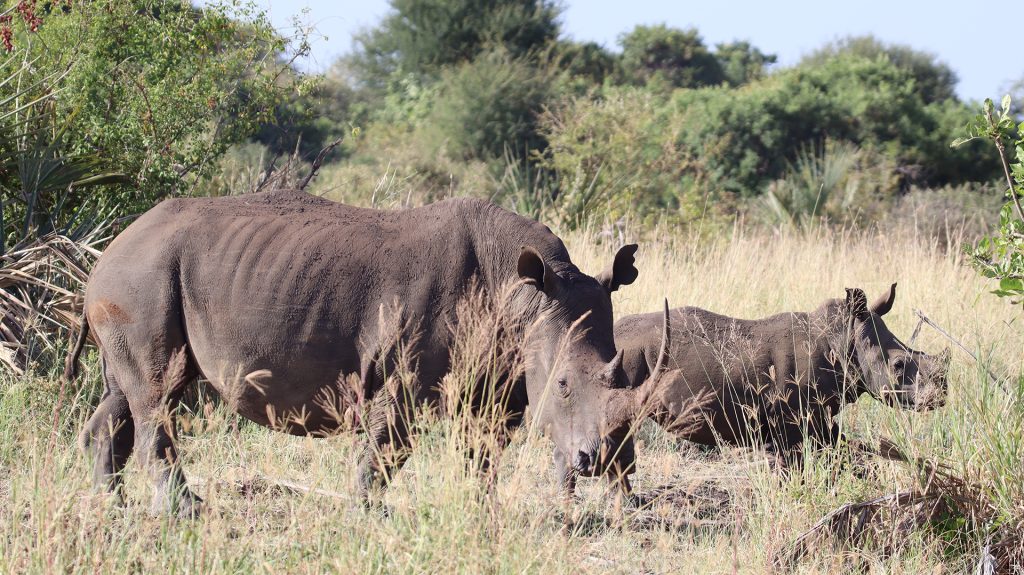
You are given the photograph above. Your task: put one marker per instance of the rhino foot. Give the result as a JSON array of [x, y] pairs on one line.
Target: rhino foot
[[184, 504]]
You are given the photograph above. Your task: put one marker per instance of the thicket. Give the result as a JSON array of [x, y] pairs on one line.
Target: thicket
[[496, 102]]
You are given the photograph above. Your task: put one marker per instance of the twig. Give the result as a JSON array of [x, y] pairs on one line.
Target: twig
[[290, 486], [318, 161], [977, 360]]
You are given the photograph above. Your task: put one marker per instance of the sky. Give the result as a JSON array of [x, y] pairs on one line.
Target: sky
[[961, 35]]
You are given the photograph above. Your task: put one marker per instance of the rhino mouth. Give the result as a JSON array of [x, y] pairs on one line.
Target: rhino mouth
[[920, 397], [611, 455]]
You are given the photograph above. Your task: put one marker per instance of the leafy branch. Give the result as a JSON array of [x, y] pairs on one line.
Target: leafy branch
[[1001, 256]]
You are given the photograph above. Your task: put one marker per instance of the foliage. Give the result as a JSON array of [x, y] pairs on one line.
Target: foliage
[[586, 60], [742, 62], [483, 107], [42, 181], [1001, 256], [710, 146], [622, 142], [935, 81], [327, 108], [817, 183], [667, 57], [420, 37], [157, 87]]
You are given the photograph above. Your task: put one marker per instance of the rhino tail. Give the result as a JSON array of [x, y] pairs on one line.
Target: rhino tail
[[71, 364]]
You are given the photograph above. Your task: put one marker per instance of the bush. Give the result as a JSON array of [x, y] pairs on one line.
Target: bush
[[1001, 256], [667, 57], [712, 146], [624, 142], [488, 106], [158, 88], [837, 182], [935, 81]]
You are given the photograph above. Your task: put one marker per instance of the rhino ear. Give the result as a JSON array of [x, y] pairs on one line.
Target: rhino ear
[[857, 303], [622, 271], [532, 268], [883, 304]]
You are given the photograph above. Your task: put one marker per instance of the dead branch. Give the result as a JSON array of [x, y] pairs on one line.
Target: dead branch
[[317, 162]]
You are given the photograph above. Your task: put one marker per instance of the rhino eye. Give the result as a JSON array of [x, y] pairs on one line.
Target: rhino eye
[[898, 366], [563, 386]]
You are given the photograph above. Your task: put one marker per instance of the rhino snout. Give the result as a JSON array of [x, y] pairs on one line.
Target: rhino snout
[[583, 462]]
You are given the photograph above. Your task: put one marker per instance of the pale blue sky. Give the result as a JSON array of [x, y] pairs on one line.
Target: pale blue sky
[[985, 60]]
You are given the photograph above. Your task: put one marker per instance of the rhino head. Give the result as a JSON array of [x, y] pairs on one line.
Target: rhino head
[[578, 391], [889, 370]]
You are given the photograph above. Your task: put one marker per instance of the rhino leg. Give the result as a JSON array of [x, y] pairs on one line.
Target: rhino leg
[[154, 401], [108, 437], [387, 444]]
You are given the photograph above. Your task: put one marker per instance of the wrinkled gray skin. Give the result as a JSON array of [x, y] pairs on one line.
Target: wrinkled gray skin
[[276, 297], [778, 380]]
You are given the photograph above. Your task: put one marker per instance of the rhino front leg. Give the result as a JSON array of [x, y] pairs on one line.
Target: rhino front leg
[[565, 477], [386, 448]]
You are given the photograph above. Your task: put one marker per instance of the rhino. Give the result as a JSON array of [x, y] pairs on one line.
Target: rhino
[[274, 298], [777, 381]]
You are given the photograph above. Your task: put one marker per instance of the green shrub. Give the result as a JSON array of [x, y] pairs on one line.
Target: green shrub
[[667, 57], [718, 146], [157, 87], [623, 141], [1001, 256], [934, 80], [836, 182], [486, 106]]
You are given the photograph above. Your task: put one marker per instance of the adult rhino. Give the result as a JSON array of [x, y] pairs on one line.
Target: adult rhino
[[776, 381], [276, 297]]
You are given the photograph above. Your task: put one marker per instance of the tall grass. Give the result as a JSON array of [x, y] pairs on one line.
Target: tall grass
[[284, 504]]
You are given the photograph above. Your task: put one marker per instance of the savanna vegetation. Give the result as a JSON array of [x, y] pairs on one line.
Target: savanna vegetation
[[752, 188]]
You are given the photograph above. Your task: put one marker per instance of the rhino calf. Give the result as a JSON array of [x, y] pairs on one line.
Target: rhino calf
[[779, 380]]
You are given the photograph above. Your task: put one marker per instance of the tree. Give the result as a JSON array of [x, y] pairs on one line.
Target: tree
[[668, 56], [487, 107], [742, 63], [158, 88], [324, 112], [1001, 256], [587, 60], [935, 80], [422, 36]]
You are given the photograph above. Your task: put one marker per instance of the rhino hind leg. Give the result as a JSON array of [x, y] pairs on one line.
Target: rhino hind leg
[[109, 436], [157, 383]]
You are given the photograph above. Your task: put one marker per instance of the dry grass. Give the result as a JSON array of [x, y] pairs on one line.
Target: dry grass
[[282, 504], [41, 282]]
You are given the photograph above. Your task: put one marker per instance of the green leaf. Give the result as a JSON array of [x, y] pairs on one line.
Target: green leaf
[[961, 141], [1011, 285]]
